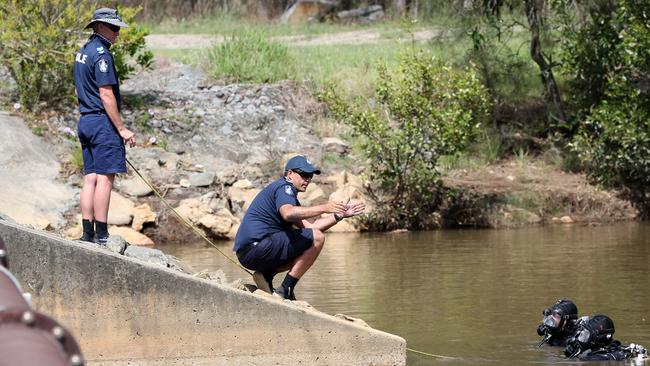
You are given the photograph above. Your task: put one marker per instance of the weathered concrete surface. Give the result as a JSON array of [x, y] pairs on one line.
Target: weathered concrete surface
[[123, 311]]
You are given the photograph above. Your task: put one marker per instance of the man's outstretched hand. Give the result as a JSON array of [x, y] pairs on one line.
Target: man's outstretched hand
[[354, 209]]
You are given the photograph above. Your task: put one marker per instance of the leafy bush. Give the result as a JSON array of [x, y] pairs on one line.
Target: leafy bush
[[614, 144], [424, 109], [37, 45], [38, 41], [130, 51], [250, 57], [608, 60]]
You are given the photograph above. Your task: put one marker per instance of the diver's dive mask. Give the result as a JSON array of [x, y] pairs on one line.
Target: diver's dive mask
[[598, 332], [556, 316], [592, 334], [552, 319]]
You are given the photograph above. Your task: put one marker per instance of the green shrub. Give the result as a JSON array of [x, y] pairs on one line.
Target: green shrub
[[250, 57], [424, 109], [608, 60], [37, 45], [38, 41], [130, 51]]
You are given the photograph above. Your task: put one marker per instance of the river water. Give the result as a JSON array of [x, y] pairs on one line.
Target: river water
[[474, 296]]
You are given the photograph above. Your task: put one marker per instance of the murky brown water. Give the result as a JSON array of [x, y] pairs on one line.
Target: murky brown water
[[474, 295]]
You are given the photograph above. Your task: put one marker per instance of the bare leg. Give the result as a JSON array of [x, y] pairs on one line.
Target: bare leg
[[102, 197], [305, 261], [87, 194]]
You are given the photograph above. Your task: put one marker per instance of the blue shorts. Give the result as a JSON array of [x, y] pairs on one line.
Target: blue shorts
[[102, 146], [277, 250]]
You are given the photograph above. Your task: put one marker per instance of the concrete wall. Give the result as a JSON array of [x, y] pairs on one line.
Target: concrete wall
[[123, 310]]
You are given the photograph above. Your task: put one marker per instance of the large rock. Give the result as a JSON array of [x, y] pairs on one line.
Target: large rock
[[120, 211], [141, 215], [220, 223], [131, 236], [134, 186], [312, 196], [343, 178], [347, 193], [201, 179], [335, 145], [30, 193], [148, 255], [117, 244], [243, 184], [193, 209], [242, 197]]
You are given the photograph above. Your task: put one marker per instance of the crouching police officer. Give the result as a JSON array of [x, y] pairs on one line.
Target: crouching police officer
[[559, 323], [593, 340], [100, 129]]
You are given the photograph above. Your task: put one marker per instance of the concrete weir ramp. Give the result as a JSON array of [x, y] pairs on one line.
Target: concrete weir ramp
[[126, 312]]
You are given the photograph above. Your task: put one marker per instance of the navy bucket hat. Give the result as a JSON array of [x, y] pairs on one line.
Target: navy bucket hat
[[107, 15], [301, 163]]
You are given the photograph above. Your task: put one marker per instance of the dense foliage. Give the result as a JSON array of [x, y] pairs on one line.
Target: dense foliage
[[38, 41], [424, 109], [607, 59], [37, 44], [129, 52]]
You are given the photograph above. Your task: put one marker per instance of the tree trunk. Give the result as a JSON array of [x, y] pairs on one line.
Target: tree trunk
[[552, 92]]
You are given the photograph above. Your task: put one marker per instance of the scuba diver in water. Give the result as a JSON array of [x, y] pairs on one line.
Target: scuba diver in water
[[593, 340], [559, 323]]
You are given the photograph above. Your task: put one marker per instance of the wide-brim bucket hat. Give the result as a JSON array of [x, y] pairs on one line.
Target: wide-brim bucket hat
[[107, 15]]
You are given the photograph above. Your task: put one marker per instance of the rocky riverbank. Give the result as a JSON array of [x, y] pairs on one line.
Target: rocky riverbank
[[208, 148]]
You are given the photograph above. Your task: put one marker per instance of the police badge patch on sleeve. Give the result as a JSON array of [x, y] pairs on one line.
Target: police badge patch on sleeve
[[288, 190], [103, 65]]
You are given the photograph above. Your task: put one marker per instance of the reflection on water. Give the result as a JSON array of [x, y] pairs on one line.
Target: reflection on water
[[476, 295]]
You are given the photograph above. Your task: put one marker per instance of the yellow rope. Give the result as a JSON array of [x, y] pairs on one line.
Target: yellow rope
[[185, 221], [202, 235], [430, 354]]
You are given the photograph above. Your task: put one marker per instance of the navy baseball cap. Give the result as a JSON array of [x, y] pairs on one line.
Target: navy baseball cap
[[107, 15], [301, 163]]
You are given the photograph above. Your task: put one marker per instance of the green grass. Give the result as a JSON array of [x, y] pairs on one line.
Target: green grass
[[354, 69], [250, 57], [230, 23], [352, 66]]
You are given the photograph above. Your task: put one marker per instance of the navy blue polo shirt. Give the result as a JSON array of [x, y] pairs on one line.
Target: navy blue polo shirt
[[94, 67], [263, 216]]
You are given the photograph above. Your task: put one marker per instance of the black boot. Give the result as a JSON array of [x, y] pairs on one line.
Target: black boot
[[89, 230], [285, 290], [101, 233]]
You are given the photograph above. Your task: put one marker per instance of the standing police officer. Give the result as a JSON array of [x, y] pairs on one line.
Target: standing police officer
[[101, 131]]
